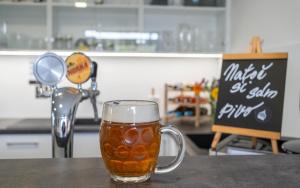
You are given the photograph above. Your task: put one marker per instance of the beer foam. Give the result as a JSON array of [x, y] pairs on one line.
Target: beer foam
[[130, 111]]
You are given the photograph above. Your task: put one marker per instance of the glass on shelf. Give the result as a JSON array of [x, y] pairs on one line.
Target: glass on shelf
[[22, 41], [190, 39], [163, 2], [200, 39], [63, 42], [100, 2], [167, 41], [195, 3], [176, 2], [197, 39], [122, 2], [159, 2], [23, 27], [208, 3], [185, 38], [3, 35], [205, 40], [109, 41]]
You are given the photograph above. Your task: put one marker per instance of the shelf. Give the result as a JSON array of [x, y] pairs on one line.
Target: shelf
[[180, 90], [187, 9], [187, 118], [115, 6], [124, 6], [186, 104], [197, 102], [32, 4], [109, 54], [183, 104], [100, 6]]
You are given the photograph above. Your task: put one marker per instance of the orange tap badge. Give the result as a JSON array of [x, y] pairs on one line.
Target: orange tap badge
[[78, 68]]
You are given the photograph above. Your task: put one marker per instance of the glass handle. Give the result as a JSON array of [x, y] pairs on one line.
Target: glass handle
[[176, 134]]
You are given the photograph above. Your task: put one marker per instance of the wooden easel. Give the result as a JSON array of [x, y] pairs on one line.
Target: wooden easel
[[255, 48], [255, 45]]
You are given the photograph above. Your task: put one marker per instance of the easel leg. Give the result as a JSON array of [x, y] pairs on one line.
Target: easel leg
[[274, 146], [216, 140], [254, 142]]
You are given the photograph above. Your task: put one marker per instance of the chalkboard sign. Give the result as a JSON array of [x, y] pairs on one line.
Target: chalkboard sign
[[252, 91]]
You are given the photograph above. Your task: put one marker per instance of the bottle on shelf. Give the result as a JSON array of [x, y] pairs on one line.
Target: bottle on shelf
[[193, 101], [153, 96]]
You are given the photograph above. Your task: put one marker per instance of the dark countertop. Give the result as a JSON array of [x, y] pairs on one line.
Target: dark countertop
[[41, 126], [205, 172]]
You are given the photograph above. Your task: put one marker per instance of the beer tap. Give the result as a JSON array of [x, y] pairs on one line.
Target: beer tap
[[41, 91], [93, 91], [49, 69]]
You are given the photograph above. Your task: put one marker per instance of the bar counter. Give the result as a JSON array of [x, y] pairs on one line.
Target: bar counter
[[205, 172]]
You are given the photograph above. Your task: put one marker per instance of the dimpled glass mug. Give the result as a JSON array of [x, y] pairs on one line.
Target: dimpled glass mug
[[130, 136]]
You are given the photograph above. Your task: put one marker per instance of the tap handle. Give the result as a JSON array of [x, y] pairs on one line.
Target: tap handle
[[94, 73], [94, 104]]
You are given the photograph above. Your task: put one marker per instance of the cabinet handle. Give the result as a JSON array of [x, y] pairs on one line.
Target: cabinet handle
[[20, 145]]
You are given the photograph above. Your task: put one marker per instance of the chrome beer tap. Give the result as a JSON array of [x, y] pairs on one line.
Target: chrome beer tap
[[41, 91], [94, 92], [49, 69]]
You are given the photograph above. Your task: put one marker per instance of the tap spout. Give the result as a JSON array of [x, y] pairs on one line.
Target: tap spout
[[64, 105]]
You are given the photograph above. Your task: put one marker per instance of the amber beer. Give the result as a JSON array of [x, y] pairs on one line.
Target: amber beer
[[130, 150], [130, 140]]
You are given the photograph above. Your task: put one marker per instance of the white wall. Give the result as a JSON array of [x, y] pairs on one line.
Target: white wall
[[277, 22], [118, 78]]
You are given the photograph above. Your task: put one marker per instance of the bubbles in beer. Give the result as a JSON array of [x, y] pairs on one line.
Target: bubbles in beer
[[130, 149]]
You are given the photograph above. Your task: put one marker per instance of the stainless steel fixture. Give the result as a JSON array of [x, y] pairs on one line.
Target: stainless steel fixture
[[49, 69], [41, 91]]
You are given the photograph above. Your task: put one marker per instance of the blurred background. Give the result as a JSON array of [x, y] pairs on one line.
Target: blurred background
[[169, 51]]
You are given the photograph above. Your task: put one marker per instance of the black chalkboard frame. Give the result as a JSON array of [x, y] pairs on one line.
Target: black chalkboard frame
[[219, 129]]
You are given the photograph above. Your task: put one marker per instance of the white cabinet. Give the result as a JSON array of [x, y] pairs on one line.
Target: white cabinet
[[135, 26], [17, 146]]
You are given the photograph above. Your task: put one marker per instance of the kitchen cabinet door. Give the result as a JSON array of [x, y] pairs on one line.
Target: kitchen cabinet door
[[20, 146]]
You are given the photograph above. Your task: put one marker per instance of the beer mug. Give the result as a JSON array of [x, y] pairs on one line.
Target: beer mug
[[130, 136]]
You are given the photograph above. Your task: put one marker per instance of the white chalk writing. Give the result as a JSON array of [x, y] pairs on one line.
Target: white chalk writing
[[233, 73], [237, 110], [265, 92], [242, 80]]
